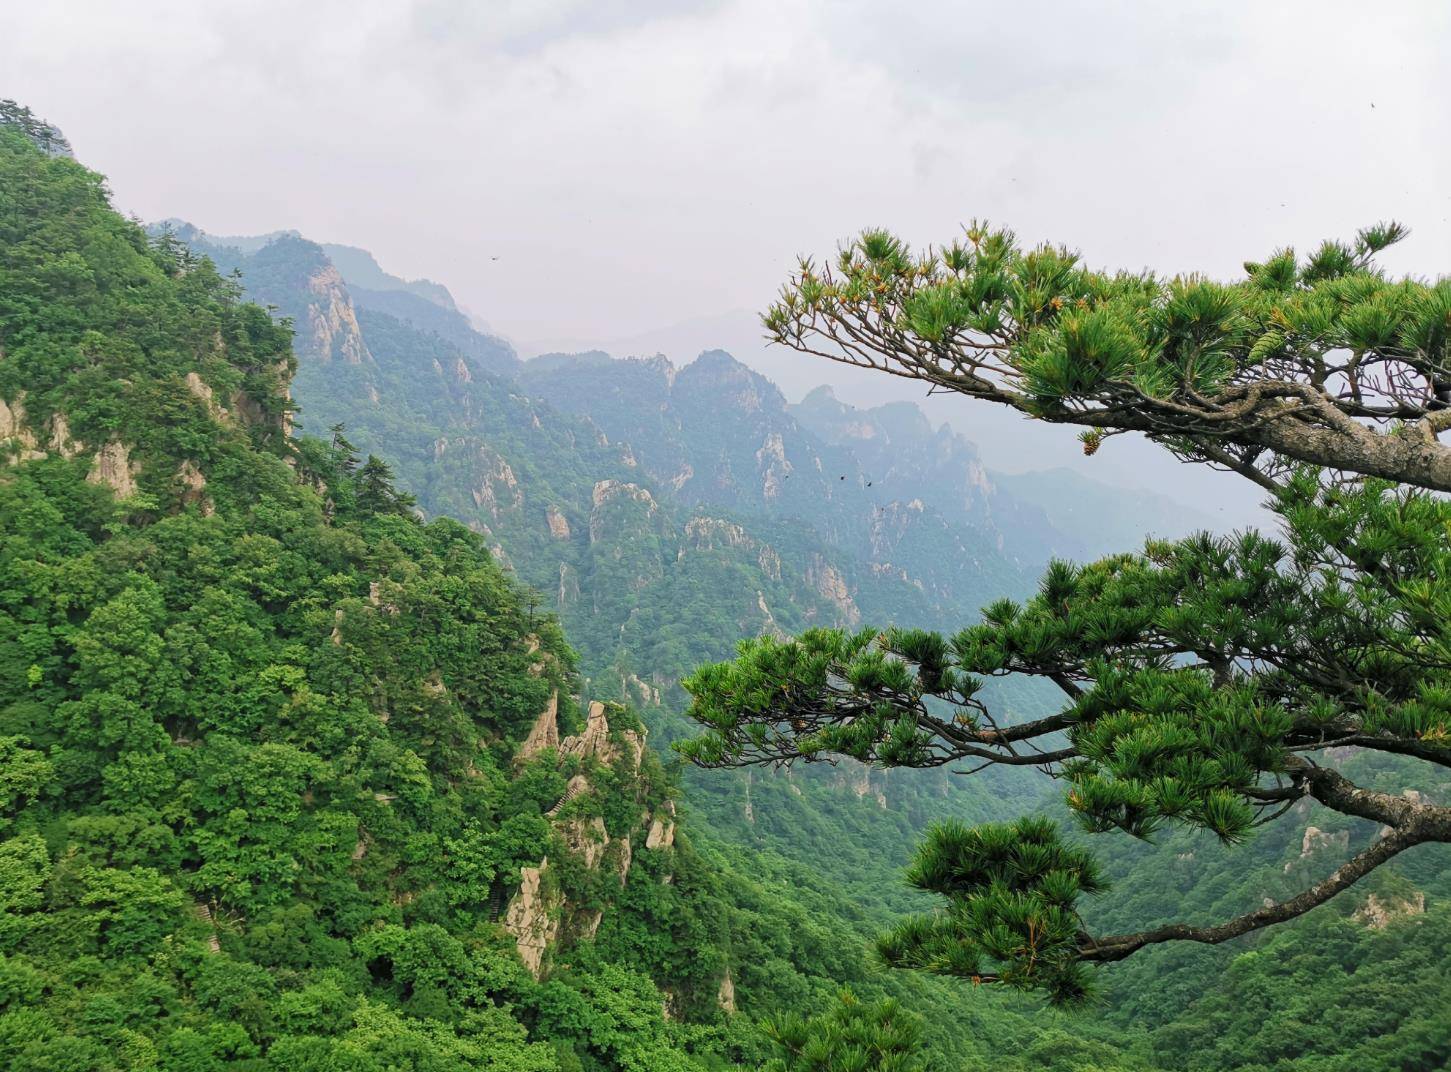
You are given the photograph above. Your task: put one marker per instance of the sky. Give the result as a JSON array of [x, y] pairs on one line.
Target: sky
[[627, 173]]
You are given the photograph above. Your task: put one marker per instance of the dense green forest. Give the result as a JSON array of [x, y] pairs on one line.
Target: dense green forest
[[852, 850], [294, 778], [268, 802]]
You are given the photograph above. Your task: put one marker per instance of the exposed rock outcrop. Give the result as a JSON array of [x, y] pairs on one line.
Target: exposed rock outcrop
[[194, 487], [533, 918], [863, 781], [332, 322], [624, 857], [587, 839], [681, 478], [662, 827], [636, 687], [567, 593], [771, 457], [770, 562], [14, 432], [1316, 842], [557, 522], [709, 533], [635, 742], [60, 441], [594, 740], [828, 582], [537, 917], [114, 468], [254, 410], [725, 995], [769, 625], [497, 487], [12, 418], [608, 491], [545, 731], [202, 390], [1378, 913]]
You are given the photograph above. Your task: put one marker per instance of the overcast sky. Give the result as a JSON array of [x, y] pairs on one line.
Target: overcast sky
[[599, 170]]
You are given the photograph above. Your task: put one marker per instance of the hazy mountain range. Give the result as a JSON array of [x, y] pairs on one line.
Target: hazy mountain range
[[630, 491]]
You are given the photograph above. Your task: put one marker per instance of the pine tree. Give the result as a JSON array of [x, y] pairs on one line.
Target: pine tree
[[347, 454], [849, 1037], [1211, 682], [47, 138], [375, 491]]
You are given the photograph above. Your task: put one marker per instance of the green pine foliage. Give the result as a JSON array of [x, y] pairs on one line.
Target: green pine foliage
[[850, 1037], [1012, 889], [1209, 683]]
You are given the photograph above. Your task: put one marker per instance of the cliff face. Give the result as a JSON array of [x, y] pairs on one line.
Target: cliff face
[[903, 518], [333, 332], [607, 771], [295, 276]]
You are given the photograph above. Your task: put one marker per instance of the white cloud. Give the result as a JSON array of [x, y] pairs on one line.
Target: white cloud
[[633, 165]]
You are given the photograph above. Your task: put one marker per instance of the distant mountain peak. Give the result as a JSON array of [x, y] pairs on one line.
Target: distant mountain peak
[[361, 269], [720, 363], [192, 235], [749, 390], [820, 396]]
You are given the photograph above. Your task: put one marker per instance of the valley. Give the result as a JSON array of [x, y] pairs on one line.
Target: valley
[[344, 653]]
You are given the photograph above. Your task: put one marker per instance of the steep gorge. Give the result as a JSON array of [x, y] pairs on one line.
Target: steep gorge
[[662, 532]]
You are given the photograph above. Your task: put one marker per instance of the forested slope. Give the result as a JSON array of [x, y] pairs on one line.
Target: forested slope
[[295, 781], [624, 497], [259, 724]]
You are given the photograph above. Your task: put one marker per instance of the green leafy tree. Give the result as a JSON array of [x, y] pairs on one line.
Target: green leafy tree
[[259, 798], [1210, 682]]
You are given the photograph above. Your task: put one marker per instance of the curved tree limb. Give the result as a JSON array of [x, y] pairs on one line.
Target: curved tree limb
[[1410, 824], [1119, 946]]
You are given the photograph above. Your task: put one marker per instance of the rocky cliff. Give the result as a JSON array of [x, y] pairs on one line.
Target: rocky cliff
[[605, 767]]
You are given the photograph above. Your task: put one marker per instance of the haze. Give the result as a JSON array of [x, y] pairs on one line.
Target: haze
[[640, 176]]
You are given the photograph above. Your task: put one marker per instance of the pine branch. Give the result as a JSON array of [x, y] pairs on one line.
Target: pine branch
[[1119, 946]]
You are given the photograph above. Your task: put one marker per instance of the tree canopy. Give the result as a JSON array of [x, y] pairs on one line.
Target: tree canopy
[[1212, 682], [1320, 360]]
